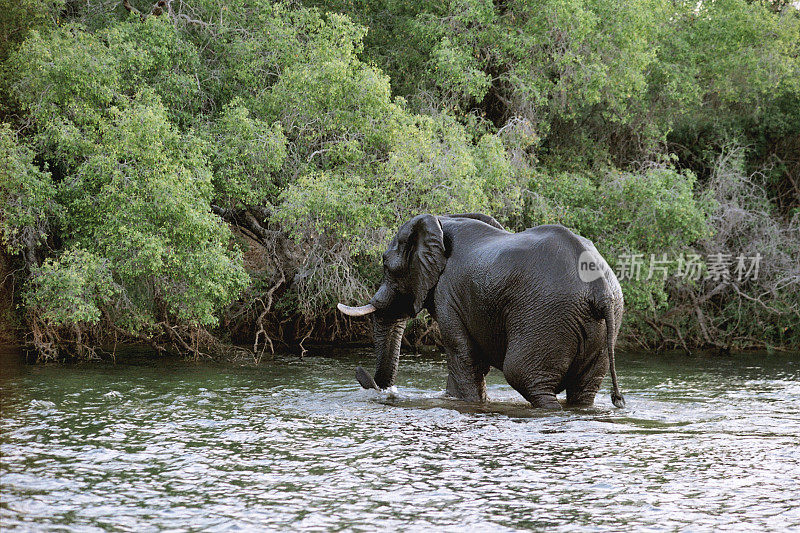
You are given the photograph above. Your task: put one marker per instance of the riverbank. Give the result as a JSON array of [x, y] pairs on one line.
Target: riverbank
[[9, 318], [214, 183]]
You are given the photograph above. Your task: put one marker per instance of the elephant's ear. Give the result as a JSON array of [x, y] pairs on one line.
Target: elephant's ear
[[427, 257]]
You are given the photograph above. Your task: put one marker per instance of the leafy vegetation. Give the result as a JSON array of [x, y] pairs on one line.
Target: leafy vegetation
[[190, 172]]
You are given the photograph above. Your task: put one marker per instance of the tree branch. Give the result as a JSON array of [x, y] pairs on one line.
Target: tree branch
[[157, 9]]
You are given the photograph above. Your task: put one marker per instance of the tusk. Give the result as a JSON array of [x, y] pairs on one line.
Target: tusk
[[356, 311]]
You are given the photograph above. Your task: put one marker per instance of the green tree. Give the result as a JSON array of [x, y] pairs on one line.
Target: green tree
[[28, 209], [142, 202]]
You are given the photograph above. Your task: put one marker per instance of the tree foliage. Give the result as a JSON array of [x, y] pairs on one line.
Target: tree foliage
[[172, 168]]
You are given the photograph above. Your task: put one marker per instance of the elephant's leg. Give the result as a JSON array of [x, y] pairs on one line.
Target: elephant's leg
[[466, 380], [536, 370], [583, 389], [466, 371]]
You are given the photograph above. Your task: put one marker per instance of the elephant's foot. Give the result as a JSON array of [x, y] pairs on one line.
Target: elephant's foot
[[466, 391], [580, 399], [544, 401]]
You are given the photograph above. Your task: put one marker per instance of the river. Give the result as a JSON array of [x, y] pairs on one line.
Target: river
[[705, 443]]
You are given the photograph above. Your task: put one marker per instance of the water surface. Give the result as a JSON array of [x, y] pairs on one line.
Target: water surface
[[707, 443]]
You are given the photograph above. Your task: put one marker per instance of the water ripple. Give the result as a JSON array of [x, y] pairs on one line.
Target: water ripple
[[297, 444]]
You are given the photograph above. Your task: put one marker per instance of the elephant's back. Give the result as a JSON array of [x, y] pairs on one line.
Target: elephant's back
[[544, 260], [548, 261], [549, 252], [542, 265], [564, 255]]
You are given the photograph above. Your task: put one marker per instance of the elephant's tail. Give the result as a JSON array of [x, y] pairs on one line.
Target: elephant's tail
[[616, 396]]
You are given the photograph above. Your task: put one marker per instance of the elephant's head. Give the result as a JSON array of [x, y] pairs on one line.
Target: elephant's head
[[411, 268]]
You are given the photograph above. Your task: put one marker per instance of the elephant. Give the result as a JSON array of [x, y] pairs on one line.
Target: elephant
[[540, 305]]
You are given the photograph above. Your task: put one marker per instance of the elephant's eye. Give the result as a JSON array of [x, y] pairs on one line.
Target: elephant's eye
[[392, 262]]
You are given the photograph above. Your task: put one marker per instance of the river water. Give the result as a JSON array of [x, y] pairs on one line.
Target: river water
[[706, 443]]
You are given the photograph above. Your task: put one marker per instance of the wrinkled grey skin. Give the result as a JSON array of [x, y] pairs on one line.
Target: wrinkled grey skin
[[513, 301]]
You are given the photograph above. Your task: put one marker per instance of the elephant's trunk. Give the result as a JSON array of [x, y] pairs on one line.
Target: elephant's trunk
[[387, 335]]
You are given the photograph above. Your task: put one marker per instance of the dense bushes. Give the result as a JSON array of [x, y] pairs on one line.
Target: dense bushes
[[193, 168]]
